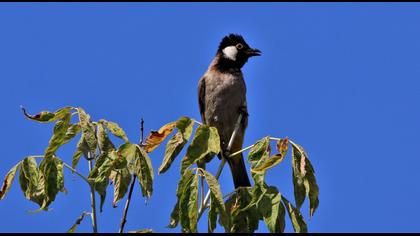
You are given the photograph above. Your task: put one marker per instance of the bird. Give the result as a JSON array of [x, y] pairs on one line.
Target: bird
[[222, 97]]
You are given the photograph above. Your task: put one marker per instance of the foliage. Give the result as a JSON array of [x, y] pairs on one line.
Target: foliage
[[239, 211]]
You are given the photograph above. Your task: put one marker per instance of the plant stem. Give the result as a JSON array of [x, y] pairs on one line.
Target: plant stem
[[130, 193], [127, 204], [222, 164], [92, 198]]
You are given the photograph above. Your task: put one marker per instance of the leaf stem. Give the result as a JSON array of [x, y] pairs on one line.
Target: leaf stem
[[222, 164], [70, 168], [92, 198], [198, 122]]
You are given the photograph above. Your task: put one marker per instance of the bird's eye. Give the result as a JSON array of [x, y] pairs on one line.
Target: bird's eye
[[239, 46]]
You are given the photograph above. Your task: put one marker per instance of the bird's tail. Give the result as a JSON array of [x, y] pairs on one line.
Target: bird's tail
[[239, 173]]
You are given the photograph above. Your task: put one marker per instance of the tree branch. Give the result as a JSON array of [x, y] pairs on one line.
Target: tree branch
[[130, 193]]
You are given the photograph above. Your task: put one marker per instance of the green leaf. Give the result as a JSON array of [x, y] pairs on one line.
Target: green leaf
[[193, 205], [304, 181], [100, 175], [81, 149], [244, 214], [182, 184], [258, 150], [52, 170], [72, 131], [258, 154], [59, 135], [217, 202], [205, 144], [104, 143], [31, 182], [144, 172], [299, 224], [46, 116], [77, 223], [177, 142], [212, 216], [272, 210], [188, 206], [115, 129], [8, 179], [267, 163], [121, 180], [129, 152], [60, 175], [88, 130]]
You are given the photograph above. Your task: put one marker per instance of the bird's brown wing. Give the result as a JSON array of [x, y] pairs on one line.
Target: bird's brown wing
[[201, 97]]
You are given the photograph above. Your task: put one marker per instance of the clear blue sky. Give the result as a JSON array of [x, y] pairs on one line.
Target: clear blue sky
[[341, 79]]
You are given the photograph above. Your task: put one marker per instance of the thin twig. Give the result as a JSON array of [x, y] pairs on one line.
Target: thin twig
[[92, 197], [222, 164], [198, 122], [130, 193]]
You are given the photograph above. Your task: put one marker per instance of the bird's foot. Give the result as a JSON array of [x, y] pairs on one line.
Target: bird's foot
[[243, 110]]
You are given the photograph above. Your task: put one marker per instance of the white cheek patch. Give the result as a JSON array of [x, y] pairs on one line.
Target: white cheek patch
[[230, 52]]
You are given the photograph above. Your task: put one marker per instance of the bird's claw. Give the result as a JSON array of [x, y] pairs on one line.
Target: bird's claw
[[243, 110]]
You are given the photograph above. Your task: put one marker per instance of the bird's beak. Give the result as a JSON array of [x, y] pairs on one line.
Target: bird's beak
[[253, 52]]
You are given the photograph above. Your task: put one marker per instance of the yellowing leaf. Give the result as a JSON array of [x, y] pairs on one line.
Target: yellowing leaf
[[31, 182], [59, 135], [104, 143], [46, 116], [267, 163], [7, 183], [115, 129], [81, 149], [88, 129], [258, 154], [121, 180], [157, 137], [177, 142]]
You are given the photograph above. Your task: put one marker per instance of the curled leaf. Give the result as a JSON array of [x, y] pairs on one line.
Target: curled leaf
[[267, 163], [31, 182], [8, 179], [78, 221], [155, 138], [46, 116]]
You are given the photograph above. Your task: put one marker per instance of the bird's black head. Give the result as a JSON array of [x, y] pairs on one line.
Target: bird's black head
[[234, 51]]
